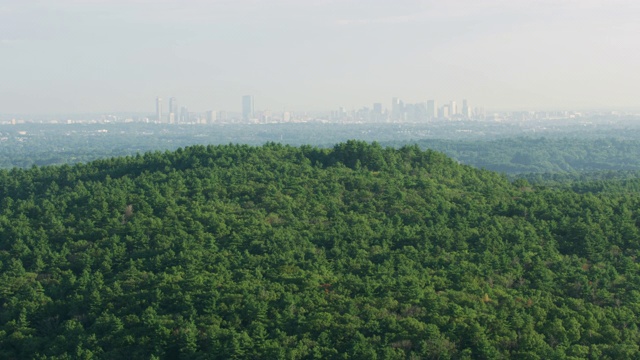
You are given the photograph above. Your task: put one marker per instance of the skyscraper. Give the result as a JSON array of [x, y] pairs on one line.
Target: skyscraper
[[184, 115], [158, 109], [212, 116], [247, 107], [466, 111], [173, 108], [377, 108], [376, 115], [397, 109], [432, 109], [453, 108], [420, 112], [445, 112]]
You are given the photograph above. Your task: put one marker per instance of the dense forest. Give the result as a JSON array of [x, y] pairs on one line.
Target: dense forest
[[356, 251]]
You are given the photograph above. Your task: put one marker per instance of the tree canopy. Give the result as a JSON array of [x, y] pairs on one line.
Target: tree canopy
[[355, 252]]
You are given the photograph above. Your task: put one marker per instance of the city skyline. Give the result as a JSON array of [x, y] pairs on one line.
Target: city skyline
[[99, 56], [247, 109], [398, 112], [395, 110]]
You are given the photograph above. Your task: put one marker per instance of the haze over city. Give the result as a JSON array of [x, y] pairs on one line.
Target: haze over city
[[98, 56]]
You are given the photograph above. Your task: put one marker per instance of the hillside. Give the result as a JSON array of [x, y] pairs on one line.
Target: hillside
[[357, 251]]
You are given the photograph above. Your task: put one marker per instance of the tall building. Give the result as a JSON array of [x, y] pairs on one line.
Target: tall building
[[247, 107], [466, 110], [420, 112], [377, 114], [158, 109], [173, 105], [377, 108], [212, 116], [395, 103], [453, 108], [173, 108], [445, 112], [409, 113], [432, 109], [397, 109], [184, 115]]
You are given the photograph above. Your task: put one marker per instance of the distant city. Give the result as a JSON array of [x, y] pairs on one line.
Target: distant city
[[169, 112]]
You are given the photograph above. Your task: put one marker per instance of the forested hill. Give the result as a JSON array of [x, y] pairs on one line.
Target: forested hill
[[358, 251]]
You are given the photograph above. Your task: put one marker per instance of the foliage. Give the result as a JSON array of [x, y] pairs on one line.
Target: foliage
[[355, 251]]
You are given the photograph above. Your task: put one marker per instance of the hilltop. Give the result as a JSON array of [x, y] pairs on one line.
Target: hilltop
[[355, 251]]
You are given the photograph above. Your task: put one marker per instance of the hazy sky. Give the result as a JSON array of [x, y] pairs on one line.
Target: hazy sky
[[118, 55]]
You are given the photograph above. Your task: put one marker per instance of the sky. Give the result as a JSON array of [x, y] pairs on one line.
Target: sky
[[75, 56]]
